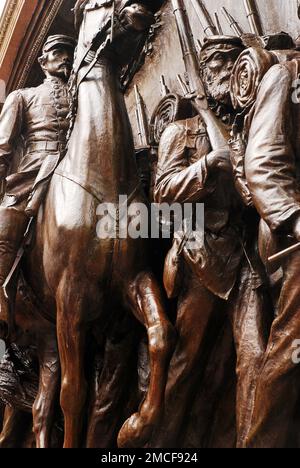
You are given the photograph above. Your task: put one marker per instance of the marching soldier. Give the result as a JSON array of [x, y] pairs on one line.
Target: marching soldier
[[190, 172], [272, 164]]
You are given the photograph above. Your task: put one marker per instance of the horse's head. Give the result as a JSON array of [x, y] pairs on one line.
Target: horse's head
[[137, 16]]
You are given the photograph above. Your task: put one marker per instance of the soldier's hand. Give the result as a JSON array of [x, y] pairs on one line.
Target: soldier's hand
[[219, 160], [297, 229]]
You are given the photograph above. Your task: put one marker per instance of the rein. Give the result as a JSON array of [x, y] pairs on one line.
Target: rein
[[91, 190]]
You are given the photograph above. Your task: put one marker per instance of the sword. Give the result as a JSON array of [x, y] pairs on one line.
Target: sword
[[284, 253], [18, 258]]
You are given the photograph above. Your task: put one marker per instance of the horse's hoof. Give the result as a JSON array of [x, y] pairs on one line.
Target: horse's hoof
[[135, 432]]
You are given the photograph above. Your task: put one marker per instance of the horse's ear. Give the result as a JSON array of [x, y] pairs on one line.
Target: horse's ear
[[78, 13], [153, 5]]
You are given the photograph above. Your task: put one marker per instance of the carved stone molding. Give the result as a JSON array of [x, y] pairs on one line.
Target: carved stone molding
[[7, 24], [35, 36]]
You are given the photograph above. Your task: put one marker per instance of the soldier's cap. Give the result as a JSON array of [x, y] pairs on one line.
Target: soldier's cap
[[224, 44], [59, 40]]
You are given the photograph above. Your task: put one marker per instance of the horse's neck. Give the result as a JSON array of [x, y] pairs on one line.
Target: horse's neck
[[101, 150]]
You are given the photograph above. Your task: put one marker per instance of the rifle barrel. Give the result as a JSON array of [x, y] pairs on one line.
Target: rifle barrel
[[204, 17], [253, 17], [164, 88], [218, 25], [217, 132], [141, 118], [284, 253], [188, 48], [233, 23]]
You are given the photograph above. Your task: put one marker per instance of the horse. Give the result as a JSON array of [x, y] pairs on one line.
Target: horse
[[80, 278]]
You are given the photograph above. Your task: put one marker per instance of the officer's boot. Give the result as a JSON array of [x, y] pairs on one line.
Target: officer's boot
[[13, 224]]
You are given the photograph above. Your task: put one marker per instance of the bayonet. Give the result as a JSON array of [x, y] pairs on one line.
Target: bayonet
[[218, 25], [141, 119], [234, 25], [204, 17], [164, 88]]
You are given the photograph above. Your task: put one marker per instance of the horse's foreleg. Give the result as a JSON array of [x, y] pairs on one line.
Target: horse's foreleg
[[15, 424], [49, 375], [71, 343], [147, 305], [110, 389]]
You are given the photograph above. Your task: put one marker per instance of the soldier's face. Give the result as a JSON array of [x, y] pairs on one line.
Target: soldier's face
[[216, 76], [59, 63]]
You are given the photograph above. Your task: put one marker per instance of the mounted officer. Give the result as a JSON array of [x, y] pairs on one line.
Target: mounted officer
[[35, 121]]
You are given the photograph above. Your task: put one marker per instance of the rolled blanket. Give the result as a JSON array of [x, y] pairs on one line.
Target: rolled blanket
[[247, 74]]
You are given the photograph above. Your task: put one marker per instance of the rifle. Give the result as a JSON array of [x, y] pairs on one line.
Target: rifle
[[234, 25], [217, 132], [253, 17], [141, 119], [218, 25], [284, 253], [183, 85], [204, 18], [143, 151], [164, 88]]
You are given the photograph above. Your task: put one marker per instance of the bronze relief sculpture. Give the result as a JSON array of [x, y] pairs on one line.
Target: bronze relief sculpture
[[113, 337]]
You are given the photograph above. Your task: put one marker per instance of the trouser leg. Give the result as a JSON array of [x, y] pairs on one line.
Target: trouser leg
[[13, 223], [195, 309], [251, 311], [278, 388]]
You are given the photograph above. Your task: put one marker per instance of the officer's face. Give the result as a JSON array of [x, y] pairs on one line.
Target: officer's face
[[216, 75], [59, 63]]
